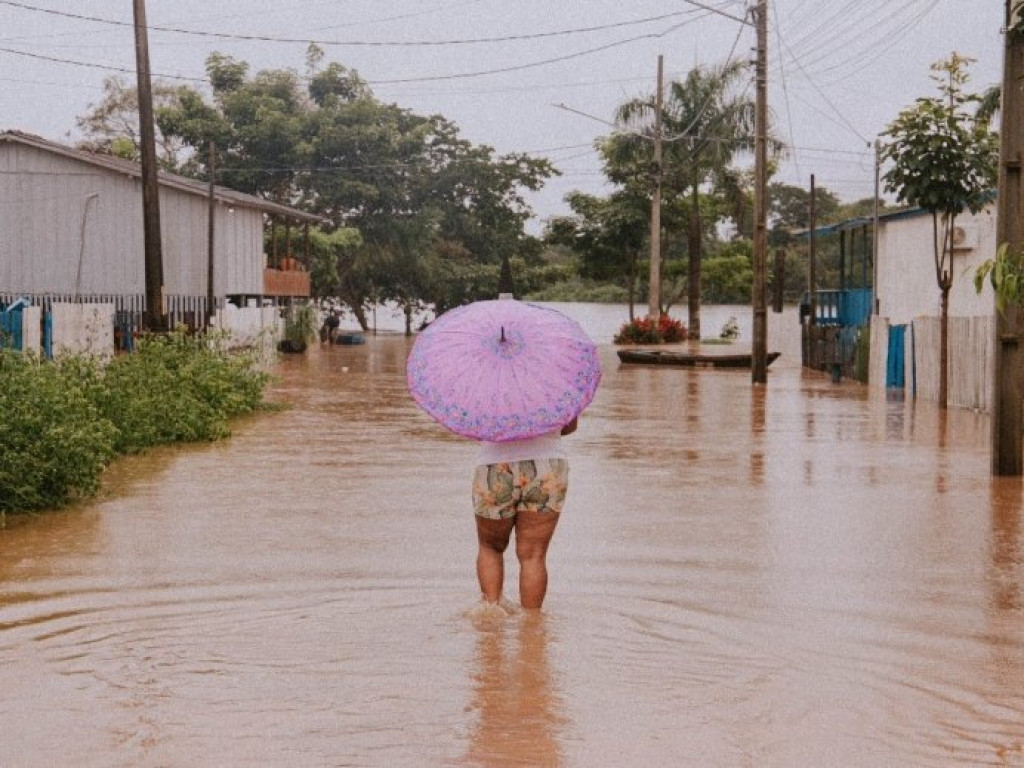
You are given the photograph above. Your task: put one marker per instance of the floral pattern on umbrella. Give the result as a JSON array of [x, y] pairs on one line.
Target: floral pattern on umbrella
[[503, 370]]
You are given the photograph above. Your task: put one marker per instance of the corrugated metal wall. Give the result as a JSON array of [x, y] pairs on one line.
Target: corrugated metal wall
[[67, 227], [971, 340], [970, 361]]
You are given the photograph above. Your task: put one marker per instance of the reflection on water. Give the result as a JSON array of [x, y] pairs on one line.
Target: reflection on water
[[517, 707], [789, 575]]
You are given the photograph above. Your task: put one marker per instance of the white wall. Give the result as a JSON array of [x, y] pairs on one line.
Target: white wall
[[31, 330], [255, 327], [83, 329], [907, 286], [71, 228]]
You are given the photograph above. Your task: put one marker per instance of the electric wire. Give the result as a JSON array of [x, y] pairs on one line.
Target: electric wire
[[391, 81], [349, 43], [843, 119], [785, 93]]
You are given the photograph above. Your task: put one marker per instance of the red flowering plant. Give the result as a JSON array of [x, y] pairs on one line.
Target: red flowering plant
[[641, 330]]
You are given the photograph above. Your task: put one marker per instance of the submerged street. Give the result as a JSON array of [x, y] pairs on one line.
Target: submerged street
[[805, 574]]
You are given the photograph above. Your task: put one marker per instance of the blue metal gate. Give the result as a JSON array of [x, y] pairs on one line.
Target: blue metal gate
[[11, 324], [895, 368]]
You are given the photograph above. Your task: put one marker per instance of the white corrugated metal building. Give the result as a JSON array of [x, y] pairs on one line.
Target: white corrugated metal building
[[905, 344], [71, 230]]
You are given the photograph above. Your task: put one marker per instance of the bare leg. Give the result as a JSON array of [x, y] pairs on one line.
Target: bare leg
[[493, 536], [533, 535]]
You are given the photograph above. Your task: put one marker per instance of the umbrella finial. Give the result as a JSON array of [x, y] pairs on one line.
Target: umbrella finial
[[503, 334]]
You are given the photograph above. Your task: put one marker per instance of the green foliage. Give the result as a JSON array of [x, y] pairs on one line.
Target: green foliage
[[1005, 274], [300, 325], [61, 423], [944, 158], [55, 443], [789, 209], [580, 289], [641, 330], [324, 143], [177, 388], [729, 275]]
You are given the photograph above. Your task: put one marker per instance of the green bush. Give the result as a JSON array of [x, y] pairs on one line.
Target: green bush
[[177, 388], [580, 289], [54, 443], [62, 423]]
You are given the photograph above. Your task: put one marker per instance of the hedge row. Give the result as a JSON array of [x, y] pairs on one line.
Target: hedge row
[[62, 423]]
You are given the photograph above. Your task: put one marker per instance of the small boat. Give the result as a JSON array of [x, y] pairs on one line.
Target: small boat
[[349, 338], [690, 359]]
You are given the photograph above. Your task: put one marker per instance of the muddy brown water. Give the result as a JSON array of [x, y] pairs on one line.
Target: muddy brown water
[[796, 575]]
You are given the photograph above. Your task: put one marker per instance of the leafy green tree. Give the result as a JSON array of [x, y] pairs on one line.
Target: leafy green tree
[[944, 161], [789, 209], [111, 126], [857, 209], [607, 234], [707, 119], [325, 144]]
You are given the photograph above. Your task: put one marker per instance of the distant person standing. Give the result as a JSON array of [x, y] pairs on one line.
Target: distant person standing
[[329, 330]]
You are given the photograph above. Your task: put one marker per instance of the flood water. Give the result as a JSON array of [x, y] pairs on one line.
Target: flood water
[[796, 575]]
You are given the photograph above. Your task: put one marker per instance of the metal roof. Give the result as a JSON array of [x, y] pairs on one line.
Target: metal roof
[[171, 180], [862, 221]]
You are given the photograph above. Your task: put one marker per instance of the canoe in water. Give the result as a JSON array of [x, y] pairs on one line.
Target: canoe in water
[[690, 359]]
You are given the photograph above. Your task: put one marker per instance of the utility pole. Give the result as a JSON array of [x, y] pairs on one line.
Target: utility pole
[[211, 208], [156, 316], [812, 268], [874, 227], [654, 281], [1009, 362], [759, 348]]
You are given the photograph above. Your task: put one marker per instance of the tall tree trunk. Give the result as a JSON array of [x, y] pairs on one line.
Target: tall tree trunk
[[693, 247], [944, 343], [945, 283], [360, 314], [631, 276]]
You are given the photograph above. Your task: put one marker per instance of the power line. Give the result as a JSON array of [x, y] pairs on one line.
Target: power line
[[393, 81], [785, 91], [740, 19], [371, 43], [94, 65], [533, 64], [825, 98]]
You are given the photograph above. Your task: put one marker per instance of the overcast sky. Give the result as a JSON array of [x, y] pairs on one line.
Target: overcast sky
[[839, 71]]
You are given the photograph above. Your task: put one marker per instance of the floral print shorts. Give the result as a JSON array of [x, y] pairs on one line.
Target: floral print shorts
[[505, 489]]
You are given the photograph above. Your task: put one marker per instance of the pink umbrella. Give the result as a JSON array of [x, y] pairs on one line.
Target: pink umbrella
[[503, 370]]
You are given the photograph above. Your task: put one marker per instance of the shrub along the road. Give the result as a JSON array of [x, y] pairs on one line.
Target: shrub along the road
[[62, 423]]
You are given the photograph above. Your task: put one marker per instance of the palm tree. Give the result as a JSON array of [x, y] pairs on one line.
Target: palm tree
[[707, 118]]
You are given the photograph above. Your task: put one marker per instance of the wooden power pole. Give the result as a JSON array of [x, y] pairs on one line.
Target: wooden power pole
[[1009, 364], [654, 281], [156, 316], [812, 259], [759, 348], [211, 211]]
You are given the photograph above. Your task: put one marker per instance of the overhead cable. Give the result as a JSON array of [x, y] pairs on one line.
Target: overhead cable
[[350, 43]]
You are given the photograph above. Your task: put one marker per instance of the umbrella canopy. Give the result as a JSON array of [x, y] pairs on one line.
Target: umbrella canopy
[[503, 370]]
